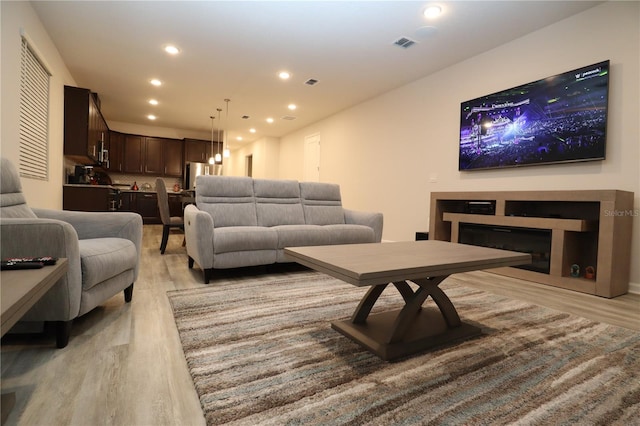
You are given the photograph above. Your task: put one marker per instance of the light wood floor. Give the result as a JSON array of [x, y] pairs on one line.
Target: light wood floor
[[124, 363]]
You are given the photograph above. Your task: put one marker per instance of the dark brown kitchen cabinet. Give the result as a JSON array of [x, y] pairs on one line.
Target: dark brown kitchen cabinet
[[132, 160], [175, 205], [89, 198], [143, 203], [199, 151], [195, 150], [116, 151], [173, 161], [163, 157], [147, 207], [86, 133], [152, 156]]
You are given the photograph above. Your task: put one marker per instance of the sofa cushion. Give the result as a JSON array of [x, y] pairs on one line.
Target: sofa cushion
[[321, 203], [244, 238], [302, 235], [278, 202], [350, 234], [104, 258], [229, 200]]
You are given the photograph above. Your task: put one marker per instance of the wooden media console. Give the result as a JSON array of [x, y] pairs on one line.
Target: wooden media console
[[590, 231]]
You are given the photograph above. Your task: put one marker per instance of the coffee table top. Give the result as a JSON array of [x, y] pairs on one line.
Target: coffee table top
[[382, 263]]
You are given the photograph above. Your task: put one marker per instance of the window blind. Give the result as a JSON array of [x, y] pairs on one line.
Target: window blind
[[34, 116]]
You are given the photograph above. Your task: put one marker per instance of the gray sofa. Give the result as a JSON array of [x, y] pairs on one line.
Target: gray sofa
[[240, 221]]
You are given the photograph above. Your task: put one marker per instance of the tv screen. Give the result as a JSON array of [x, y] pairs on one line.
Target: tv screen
[[558, 119]]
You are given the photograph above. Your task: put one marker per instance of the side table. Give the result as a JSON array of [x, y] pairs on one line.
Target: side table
[[20, 290]]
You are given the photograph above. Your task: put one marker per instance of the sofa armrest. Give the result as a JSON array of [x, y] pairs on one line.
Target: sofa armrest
[[89, 225], [198, 234], [28, 237], [370, 219]]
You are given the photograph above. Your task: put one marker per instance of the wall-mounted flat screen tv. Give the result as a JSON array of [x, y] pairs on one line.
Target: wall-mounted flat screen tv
[[557, 119]]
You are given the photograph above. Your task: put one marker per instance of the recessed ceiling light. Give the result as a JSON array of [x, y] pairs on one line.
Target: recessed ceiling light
[[155, 82], [171, 49], [151, 117], [284, 75], [432, 12], [153, 101], [292, 106], [252, 130], [269, 120], [239, 138]]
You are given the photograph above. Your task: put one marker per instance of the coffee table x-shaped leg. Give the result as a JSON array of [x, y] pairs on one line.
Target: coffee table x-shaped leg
[[413, 328]]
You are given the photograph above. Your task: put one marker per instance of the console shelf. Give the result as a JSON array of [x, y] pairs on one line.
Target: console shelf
[[588, 228], [577, 225]]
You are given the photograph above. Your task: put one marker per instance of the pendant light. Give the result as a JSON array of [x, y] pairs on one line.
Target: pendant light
[[211, 159], [225, 144], [218, 158]]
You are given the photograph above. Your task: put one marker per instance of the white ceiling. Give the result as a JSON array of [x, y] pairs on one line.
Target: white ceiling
[[234, 50]]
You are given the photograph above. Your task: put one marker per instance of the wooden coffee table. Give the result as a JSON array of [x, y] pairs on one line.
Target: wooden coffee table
[[413, 328]]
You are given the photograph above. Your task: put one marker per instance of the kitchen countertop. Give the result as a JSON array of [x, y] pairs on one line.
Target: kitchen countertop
[[123, 188], [86, 185]]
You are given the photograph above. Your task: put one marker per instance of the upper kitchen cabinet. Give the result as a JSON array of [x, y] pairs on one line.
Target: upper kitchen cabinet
[[133, 154], [86, 134], [154, 156], [199, 151], [116, 151], [173, 160], [163, 157], [150, 155]]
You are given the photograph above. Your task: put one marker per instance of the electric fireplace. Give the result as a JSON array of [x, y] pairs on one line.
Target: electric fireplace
[[536, 242]]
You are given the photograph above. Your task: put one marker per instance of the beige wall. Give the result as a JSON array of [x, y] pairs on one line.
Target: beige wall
[[266, 156], [385, 152], [17, 17]]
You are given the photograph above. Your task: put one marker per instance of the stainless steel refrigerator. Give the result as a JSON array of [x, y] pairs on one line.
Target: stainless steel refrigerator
[[193, 170]]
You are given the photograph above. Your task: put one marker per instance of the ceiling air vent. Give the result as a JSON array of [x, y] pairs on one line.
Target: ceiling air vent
[[404, 42], [311, 82], [289, 117]]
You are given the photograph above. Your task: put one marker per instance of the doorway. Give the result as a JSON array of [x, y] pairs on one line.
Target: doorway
[[248, 165], [311, 171]]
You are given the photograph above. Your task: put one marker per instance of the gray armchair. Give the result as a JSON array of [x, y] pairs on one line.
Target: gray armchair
[[103, 252]]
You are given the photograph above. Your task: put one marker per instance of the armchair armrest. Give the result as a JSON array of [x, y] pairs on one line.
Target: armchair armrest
[[370, 219], [100, 225], [198, 234], [27, 237]]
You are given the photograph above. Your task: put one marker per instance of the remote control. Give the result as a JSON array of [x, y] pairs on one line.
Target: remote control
[[46, 260], [8, 265]]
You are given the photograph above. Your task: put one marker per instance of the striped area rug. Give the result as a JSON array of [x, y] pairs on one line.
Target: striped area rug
[[261, 352]]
